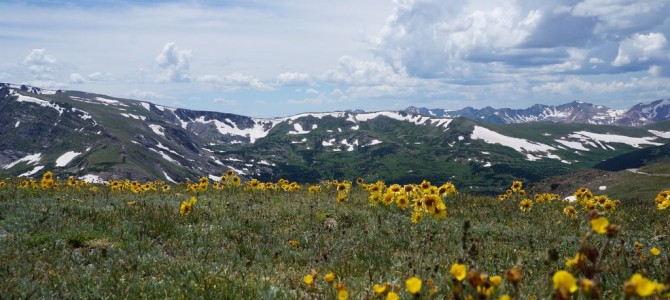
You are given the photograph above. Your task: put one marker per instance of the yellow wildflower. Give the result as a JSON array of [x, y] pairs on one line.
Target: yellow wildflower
[[392, 296], [416, 217], [564, 282], [576, 262], [308, 280], [342, 294], [599, 225], [413, 285], [640, 286], [341, 197], [570, 211], [496, 280], [380, 289], [513, 275], [526, 205], [586, 285], [655, 251], [187, 206], [459, 271], [401, 201]]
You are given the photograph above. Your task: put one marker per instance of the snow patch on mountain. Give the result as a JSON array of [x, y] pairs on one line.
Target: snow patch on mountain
[[133, 116], [65, 159], [572, 145], [665, 135], [520, 145], [161, 146], [165, 156], [84, 115], [613, 138], [43, 103], [328, 143], [259, 130], [416, 119], [337, 114], [652, 111], [299, 130], [108, 101], [91, 178], [157, 129], [28, 159], [31, 172], [167, 177], [532, 150], [350, 147], [372, 143], [267, 163]]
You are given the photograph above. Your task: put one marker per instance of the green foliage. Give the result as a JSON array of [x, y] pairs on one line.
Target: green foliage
[[237, 244]]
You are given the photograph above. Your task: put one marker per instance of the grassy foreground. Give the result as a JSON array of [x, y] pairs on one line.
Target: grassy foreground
[[298, 242]]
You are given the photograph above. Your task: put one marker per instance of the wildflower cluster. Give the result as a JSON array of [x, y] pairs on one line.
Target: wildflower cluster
[[312, 284], [592, 270], [187, 206], [589, 201], [515, 191], [50, 182], [342, 188], [136, 187], [425, 198], [663, 200], [478, 283]]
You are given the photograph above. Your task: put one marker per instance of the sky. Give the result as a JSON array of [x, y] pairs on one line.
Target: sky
[[277, 58]]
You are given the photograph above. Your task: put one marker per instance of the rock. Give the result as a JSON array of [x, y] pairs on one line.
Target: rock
[[3, 233]]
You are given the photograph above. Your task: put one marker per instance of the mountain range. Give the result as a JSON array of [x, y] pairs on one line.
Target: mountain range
[[98, 137], [573, 112]]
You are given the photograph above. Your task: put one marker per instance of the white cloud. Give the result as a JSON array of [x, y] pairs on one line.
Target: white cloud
[[99, 76], [578, 85], [310, 101], [47, 84], [617, 15], [40, 64], [293, 78], [359, 72], [369, 53], [435, 38], [76, 78], [39, 57], [641, 48], [144, 95], [175, 63], [224, 101], [596, 60], [4, 76], [235, 81]]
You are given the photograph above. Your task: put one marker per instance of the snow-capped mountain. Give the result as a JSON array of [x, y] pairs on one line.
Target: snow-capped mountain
[[573, 112], [96, 136]]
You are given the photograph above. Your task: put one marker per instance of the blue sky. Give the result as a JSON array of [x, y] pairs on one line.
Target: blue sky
[[277, 58]]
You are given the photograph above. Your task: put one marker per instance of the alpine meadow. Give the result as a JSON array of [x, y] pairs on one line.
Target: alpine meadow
[[99, 225], [309, 150]]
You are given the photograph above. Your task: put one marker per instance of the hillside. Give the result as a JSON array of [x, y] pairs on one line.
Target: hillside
[[96, 136]]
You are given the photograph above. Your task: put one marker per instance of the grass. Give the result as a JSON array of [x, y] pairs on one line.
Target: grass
[[239, 244]]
